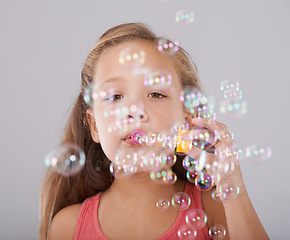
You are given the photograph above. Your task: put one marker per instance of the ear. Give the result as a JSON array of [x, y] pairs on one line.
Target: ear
[[92, 124], [188, 119]]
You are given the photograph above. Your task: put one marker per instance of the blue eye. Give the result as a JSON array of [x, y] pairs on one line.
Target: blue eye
[[114, 97], [156, 95]]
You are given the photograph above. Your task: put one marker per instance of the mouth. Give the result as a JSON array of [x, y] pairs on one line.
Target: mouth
[[134, 138]]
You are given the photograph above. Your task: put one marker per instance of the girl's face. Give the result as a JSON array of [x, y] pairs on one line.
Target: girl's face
[[120, 94]]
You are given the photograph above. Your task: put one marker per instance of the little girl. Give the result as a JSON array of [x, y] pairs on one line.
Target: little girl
[[96, 204]]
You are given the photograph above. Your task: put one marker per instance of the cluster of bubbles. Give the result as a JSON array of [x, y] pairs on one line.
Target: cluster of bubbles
[[232, 104], [208, 153]]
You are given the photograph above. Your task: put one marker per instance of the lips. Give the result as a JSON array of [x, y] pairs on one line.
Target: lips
[[132, 138]]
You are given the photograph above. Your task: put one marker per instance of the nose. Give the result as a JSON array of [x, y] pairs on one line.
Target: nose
[[139, 117], [136, 113]]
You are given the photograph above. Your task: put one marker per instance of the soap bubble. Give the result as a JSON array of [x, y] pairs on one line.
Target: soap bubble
[[90, 95], [242, 151], [152, 139], [132, 55], [192, 97], [197, 102], [121, 118], [158, 79], [168, 158], [163, 204], [226, 152], [126, 158], [167, 139], [68, 159], [170, 177], [259, 153], [191, 175], [218, 196], [179, 126], [232, 105], [229, 84], [122, 171], [163, 174], [149, 159], [219, 168], [186, 231], [203, 181], [217, 231], [167, 46], [189, 163], [201, 137], [229, 189], [184, 17], [233, 109], [181, 201], [196, 218]]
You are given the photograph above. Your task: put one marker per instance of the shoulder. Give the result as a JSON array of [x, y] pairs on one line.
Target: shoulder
[[64, 223], [214, 210]]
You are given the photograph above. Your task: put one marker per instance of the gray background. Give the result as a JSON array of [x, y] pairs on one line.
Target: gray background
[[43, 45]]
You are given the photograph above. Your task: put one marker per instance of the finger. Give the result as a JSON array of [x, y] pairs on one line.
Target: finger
[[218, 128]]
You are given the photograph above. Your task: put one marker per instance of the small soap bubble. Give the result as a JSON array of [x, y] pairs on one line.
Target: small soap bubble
[[201, 137], [196, 218], [167, 139], [170, 177], [233, 95], [159, 79], [181, 201], [189, 163], [217, 231], [191, 175], [149, 159], [233, 108], [168, 158], [226, 152], [163, 174], [203, 182], [152, 139], [88, 98], [122, 171], [242, 151], [126, 158], [186, 232], [218, 196], [163, 204], [229, 84], [220, 167], [197, 102], [184, 17], [167, 46], [230, 189], [122, 117], [68, 159], [259, 153], [132, 55]]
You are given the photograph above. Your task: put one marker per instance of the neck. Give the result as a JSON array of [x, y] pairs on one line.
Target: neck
[[140, 187]]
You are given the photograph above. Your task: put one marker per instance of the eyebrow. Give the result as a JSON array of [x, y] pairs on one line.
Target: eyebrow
[[110, 80]]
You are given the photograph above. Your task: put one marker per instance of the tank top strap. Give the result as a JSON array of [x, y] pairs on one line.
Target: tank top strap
[[88, 224]]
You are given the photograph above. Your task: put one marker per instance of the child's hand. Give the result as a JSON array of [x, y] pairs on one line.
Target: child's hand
[[220, 161]]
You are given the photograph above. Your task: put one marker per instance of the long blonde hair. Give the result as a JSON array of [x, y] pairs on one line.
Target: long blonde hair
[[58, 191]]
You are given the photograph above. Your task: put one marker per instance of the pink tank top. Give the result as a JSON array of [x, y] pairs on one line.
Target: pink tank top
[[88, 227]]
